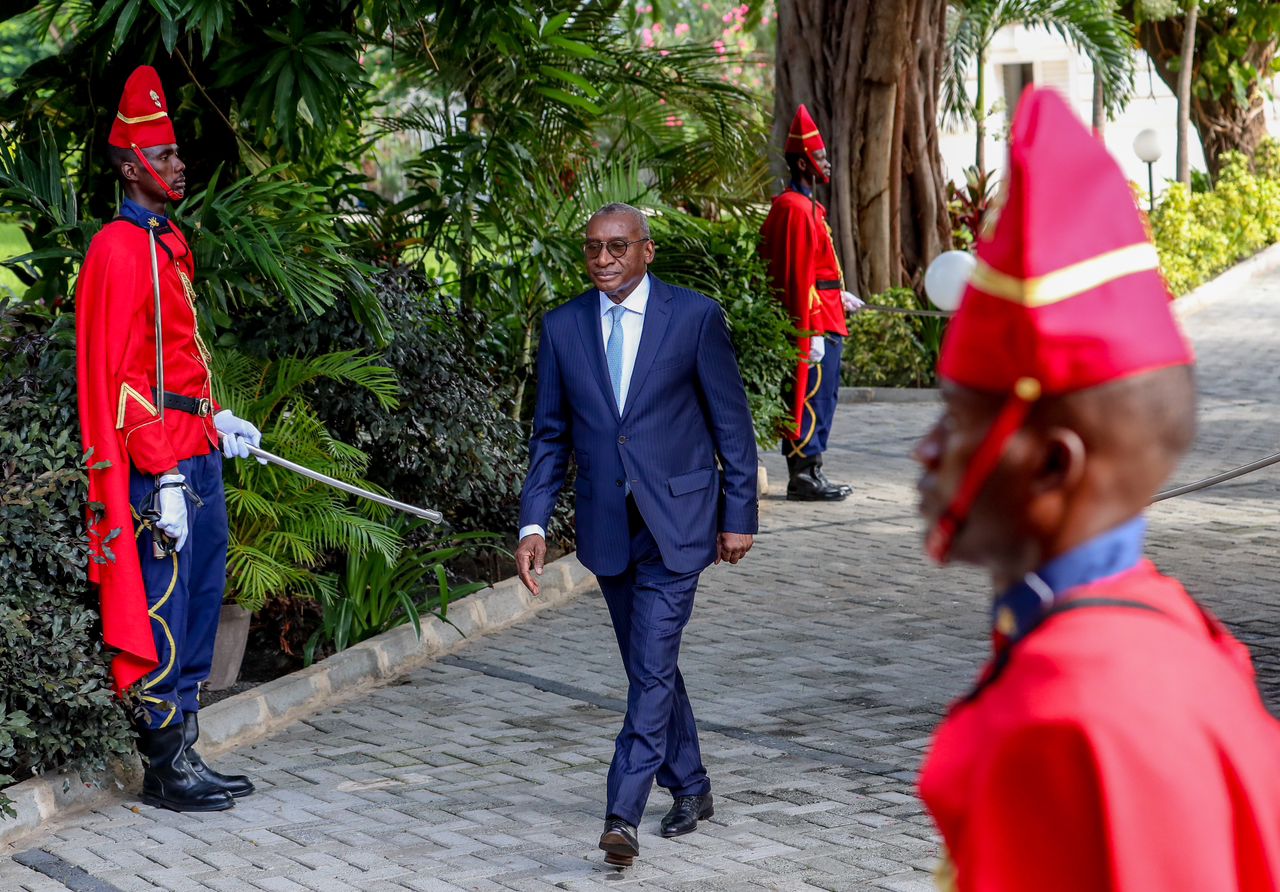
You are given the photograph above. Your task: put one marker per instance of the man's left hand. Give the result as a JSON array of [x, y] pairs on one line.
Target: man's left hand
[[852, 303], [236, 433], [733, 547]]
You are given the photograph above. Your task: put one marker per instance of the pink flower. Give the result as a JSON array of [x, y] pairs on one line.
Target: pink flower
[[664, 52], [647, 35], [720, 48], [682, 29], [657, 26]]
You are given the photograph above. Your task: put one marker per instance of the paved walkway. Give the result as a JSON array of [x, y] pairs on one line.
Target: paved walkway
[[818, 669]]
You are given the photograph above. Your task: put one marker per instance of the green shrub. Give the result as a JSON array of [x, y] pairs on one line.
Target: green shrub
[[722, 260], [892, 349], [1199, 234], [448, 445], [377, 593], [56, 705]]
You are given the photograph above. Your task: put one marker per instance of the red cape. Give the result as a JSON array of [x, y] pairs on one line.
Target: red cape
[[1119, 750], [113, 288]]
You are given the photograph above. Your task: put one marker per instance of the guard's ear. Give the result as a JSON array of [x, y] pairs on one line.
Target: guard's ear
[[1062, 461]]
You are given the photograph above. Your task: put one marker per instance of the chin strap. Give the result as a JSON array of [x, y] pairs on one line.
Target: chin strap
[[1025, 392], [168, 190]]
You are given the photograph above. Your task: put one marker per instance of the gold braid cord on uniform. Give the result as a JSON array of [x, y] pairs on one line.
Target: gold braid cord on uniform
[[798, 448]]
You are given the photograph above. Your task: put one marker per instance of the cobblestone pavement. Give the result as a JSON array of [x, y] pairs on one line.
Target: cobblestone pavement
[[817, 668]]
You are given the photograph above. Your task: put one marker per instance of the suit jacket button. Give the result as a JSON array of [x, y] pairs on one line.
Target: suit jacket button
[[622, 439], [619, 482]]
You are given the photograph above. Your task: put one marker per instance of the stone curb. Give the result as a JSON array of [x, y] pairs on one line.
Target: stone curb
[[1228, 283], [263, 710], [888, 395]]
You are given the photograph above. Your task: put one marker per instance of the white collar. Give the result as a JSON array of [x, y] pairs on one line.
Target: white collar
[[635, 301]]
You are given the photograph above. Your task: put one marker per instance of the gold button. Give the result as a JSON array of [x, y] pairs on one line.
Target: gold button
[[1027, 389], [1006, 622]]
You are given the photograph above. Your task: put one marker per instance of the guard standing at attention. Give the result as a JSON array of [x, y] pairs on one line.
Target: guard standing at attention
[[1116, 740], [157, 437], [806, 275]]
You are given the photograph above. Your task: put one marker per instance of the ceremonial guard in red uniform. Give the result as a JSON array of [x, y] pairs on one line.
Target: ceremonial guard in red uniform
[[796, 243], [147, 411], [1116, 740]]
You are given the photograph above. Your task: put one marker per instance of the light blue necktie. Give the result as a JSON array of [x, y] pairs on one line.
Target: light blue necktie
[[613, 353]]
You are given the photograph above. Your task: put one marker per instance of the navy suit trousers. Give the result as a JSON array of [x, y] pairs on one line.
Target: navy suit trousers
[[649, 606], [184, 592]]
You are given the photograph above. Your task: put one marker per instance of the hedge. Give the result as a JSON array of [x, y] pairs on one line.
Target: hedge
[[56, 705], [1199, 234]]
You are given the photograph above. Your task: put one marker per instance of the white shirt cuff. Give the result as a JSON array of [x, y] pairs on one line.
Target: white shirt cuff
[[531, 530]]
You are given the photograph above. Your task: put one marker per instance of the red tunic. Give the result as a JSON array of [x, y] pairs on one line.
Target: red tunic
[[115, 332], [1120, 749], [796, 243]]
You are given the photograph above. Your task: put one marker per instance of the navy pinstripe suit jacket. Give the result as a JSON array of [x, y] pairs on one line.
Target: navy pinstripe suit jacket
[[686, 408]]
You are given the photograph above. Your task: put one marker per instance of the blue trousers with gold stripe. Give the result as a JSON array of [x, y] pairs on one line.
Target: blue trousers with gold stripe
[[184, 592], [819, 403]]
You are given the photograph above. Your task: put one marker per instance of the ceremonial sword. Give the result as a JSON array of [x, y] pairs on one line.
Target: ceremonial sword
[[264, 455], [160, 543]]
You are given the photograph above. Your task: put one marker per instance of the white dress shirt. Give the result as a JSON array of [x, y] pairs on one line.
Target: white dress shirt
[[632, 327]]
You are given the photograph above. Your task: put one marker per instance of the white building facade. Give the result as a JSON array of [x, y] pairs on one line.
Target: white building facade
[[1020, 57]]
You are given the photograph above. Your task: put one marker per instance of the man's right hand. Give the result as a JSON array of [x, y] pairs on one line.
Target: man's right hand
[[173, 510], [530, 555], [817, 348]]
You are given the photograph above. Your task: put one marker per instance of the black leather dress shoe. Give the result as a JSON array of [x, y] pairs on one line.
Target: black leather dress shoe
[[821, 477], [685, 814], [619, 842], [807, 488], [237, 785]]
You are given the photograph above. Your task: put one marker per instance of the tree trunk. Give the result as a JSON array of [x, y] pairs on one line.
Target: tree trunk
[[980, 119], [1222, 123], [870, 72], [1099, 107], [1184, 93]]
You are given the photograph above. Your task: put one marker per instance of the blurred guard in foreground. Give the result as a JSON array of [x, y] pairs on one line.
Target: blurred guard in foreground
[[161, 540], [1116, 740]]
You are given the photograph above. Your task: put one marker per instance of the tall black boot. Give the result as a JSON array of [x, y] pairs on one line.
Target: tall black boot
[[237, 785], [804, 486], [822, 478], [169, 781]]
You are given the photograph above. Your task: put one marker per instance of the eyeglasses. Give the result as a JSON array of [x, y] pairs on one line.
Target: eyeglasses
[[617, 247]]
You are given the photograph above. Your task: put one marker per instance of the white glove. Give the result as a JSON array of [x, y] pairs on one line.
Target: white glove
[[852, 303], [173, 510], [235, 433], [817, 348]]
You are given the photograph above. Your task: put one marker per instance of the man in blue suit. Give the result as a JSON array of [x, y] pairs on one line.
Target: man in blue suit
[[638, 381]]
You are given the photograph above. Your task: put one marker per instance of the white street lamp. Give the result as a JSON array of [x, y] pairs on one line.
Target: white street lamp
[[1146, 145]]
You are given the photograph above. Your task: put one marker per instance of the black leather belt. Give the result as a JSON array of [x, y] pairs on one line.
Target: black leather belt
[[829, 285], [191, 405]]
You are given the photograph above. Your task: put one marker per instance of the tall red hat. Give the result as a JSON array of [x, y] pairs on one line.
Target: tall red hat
[[1067, 292], [143, 119], [804, 139]]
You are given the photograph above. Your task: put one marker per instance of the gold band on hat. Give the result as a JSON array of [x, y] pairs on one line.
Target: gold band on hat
[[144, 118], [1039, 291], [802, 135]]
